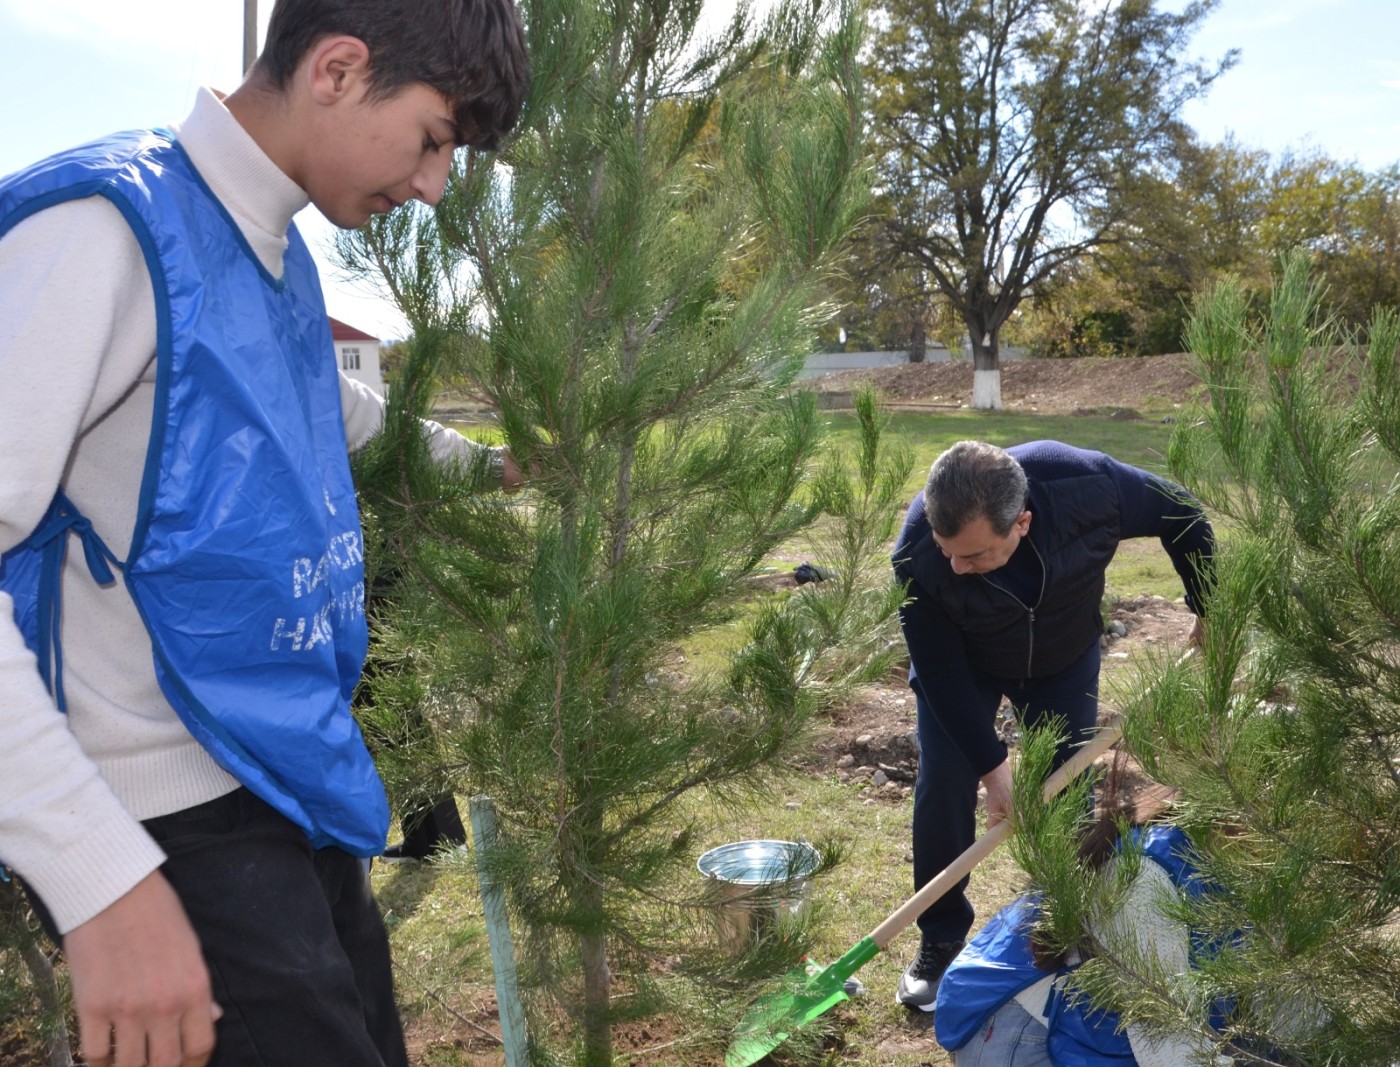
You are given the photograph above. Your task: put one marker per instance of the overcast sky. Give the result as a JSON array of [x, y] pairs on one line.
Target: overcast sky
[[1318, 73]]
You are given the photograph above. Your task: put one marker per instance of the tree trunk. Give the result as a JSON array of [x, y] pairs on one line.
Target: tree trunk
[[986, 390], [986, 370], [918, 343], [597, 1026], [46, 985], [593, 945]]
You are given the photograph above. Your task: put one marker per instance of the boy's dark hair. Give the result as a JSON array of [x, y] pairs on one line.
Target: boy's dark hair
[[470, 51]]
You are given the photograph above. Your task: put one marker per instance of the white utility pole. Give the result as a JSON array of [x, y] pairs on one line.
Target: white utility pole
[[250, 33]]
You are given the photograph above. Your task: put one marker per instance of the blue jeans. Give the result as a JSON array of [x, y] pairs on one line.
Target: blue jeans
[[1010, 1038], [945, 794]]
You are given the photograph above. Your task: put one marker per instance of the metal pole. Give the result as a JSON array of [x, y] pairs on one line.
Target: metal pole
[[493, 899], [250, 33]]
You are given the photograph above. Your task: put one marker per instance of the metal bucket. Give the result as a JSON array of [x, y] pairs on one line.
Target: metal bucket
[[756, 883]]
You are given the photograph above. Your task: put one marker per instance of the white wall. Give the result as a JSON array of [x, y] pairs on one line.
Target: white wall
[[360, 360], [826, 362]]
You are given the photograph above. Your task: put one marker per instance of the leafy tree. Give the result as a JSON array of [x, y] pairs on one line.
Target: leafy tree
[[634, 283], [885, 305], [1198, 212], [1003, 127], [1284, 735], [391, 358], [1205, 211], [1184, 223], [1083, 311], [1368, 274], [1348, 219]]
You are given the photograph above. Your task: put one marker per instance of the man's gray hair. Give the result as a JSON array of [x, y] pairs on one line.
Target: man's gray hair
[[974, 480]]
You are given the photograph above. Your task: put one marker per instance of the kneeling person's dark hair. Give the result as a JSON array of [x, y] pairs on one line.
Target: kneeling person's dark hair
[[470, 51]]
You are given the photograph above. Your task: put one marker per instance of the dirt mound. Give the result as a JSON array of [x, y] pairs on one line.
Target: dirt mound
[[872, 743], [1047, 386]]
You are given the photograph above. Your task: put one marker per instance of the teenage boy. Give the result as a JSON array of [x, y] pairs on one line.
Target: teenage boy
[[1004, 554], [172, 417]]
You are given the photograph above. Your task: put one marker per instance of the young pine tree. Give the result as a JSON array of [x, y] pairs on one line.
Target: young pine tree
[[1284, 734], [632, 284]]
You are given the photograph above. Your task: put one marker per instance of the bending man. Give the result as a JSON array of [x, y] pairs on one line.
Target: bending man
[[1004, 553]]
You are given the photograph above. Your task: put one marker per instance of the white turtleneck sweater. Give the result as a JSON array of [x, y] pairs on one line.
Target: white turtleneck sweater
[[77, 380]]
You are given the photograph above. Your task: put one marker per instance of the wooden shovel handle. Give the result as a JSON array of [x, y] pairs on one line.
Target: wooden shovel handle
[[985, 845]]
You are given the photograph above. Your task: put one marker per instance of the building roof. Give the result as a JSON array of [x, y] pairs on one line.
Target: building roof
[[341, 332]]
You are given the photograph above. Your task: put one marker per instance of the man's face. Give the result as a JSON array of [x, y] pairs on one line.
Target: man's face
[[976, 549], [380, 154]]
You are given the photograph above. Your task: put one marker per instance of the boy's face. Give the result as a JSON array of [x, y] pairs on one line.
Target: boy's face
[[375, 155]]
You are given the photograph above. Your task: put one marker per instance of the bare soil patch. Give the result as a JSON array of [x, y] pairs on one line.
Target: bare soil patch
[[1115, 387], [1045, 386], [871, 739]]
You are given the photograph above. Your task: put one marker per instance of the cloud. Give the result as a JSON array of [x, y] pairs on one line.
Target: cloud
[[1391, 83]]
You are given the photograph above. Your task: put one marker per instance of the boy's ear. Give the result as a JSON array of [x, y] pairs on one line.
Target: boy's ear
[[336, 65]]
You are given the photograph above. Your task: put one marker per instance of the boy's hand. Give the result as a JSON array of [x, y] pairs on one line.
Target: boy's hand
[[511, 475], [997, 782], [140, 986]]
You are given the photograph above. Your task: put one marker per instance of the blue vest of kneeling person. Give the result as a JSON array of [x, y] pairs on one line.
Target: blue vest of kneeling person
[[999, 963], [246, 560]]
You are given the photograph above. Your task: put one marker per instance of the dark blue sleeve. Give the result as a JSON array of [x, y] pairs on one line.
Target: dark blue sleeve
[[1152, 506], [939, 663]]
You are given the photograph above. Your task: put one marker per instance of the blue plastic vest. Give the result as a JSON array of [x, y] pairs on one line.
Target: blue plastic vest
[[246, 560], [998, 963]]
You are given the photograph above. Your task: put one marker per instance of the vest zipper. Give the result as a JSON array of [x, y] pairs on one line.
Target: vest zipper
[[1029, 608]]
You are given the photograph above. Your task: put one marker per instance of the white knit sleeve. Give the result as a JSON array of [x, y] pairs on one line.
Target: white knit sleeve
[[67, 280], [363, 409], [1140, 931]]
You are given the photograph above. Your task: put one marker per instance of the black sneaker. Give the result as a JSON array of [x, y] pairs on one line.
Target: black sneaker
[[404, 851], [918, 985]]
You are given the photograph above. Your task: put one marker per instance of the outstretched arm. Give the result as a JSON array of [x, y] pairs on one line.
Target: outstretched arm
[[1152, 506], [363, 410]]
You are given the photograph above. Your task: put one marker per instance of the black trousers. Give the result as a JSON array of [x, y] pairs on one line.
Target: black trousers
[[945, 794], [429, 826], [296, 948]]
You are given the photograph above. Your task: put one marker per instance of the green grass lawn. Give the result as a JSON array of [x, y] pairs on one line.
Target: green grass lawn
[[1141, 442], [435, 915]]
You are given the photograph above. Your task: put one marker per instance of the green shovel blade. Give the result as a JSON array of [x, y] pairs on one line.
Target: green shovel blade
[[805, 996]]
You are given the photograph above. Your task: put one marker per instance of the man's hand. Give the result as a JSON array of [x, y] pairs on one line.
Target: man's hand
[[140, 986], [997, 782]]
